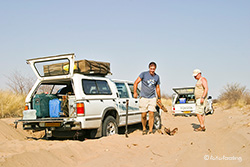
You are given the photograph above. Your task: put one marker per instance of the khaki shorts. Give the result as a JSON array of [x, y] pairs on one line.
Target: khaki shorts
[[147, 104], [200, 108]]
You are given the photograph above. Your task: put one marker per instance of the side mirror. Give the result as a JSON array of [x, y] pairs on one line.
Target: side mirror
[[209, 97]]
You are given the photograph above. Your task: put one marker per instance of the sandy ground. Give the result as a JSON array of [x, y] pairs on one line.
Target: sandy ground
[[225, 143]]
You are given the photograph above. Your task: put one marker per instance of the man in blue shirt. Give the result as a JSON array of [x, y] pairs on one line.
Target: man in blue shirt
[[149, 87]]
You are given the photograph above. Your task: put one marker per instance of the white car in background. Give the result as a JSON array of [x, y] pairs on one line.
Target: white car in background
[[183, 101]]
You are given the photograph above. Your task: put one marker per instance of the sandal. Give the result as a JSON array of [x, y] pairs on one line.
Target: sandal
[[144, 132], [173, 131], [167, 130], [150, 133], [200, 129]]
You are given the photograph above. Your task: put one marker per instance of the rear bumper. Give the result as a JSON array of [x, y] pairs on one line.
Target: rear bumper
[[48, 123], [178, 112], [182, 113]]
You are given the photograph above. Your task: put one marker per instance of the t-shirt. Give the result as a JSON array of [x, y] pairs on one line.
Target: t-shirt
[[148, 85]]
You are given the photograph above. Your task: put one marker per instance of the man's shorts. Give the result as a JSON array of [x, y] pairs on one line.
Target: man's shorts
[[147, 104], [200, 108]]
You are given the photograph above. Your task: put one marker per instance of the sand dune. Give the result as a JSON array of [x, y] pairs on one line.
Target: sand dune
[[225, 143]]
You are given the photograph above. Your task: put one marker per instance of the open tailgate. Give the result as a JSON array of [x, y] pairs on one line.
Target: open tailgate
[[184, 90], [40, 66]]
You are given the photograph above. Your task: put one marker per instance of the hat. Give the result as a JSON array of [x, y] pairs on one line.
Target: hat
[[196, 72]]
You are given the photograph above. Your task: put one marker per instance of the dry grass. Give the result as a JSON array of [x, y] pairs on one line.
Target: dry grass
[[166, 101], [11, 104], [234, 95]]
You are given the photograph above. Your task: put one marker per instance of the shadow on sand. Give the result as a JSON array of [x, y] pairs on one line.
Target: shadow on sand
[[195, 126], [80, 136]]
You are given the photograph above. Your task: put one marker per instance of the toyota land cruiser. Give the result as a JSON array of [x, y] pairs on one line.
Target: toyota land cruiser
[[66, 100]]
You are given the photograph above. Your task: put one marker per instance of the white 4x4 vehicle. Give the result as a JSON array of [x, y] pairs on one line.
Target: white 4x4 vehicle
[[73, 102], [183, 101]]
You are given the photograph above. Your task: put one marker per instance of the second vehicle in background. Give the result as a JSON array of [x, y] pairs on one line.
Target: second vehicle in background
[[183, 102]]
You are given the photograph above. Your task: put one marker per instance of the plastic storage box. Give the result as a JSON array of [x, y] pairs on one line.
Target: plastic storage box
[[29, 114], [182, 100]]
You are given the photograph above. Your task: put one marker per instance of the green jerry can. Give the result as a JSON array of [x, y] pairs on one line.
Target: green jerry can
[[41, 104]]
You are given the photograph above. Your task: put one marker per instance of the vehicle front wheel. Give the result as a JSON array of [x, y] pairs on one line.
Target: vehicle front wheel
[[157, 120], [109, 126]]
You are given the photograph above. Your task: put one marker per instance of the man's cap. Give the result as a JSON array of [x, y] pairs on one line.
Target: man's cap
[[196, 72]]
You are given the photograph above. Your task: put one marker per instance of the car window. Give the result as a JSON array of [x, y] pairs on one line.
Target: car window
[[96, 87], [188, 98], [103, 87], [50, 88], [131, 87], [122, 90], [52, 68]]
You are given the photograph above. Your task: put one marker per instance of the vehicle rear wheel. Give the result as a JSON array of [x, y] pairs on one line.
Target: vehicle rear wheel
[[109, 126], [157, 120]]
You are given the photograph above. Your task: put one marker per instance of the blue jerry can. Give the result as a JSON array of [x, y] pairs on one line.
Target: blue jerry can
[[54, 108]]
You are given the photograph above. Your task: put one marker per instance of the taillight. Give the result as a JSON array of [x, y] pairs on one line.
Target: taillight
[[26, 107], [173, 108], [80, 108]]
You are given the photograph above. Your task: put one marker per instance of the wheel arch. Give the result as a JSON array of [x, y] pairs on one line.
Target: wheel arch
[[110, 111], [107, 112]]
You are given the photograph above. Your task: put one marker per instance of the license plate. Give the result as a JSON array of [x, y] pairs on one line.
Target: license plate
[[186, 112], [52, 124]]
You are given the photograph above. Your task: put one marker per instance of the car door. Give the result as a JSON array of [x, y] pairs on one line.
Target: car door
[[135, 114], [121, 104]]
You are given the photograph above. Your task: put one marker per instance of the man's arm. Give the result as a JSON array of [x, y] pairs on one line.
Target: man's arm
[[204, 84], [158, 91], [137, 81]]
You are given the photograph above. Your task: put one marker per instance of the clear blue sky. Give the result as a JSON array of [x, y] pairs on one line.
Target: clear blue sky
[[181, 35]]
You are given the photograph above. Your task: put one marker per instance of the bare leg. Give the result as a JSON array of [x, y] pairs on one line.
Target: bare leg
[[144, 120], [201, 119], [151, 121]]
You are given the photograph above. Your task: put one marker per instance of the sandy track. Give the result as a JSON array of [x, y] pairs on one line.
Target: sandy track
[[226, 143]]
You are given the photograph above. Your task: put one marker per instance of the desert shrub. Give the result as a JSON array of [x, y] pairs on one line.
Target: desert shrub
[[166, 100], [11, 104], [18, 82], [12, 100], [234, 95]]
